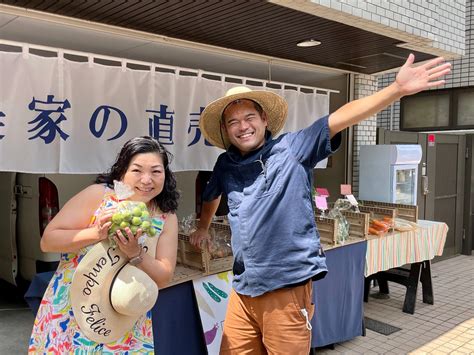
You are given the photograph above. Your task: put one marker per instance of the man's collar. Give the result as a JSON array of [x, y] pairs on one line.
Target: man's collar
[[235, 154]]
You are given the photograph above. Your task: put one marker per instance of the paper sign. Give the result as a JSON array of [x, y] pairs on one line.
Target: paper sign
[[352, 200], [322, 191], [346, 189], [212, 294], [321, 202]]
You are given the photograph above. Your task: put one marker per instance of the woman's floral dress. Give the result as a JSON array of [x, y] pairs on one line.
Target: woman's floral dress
[[55, 330]]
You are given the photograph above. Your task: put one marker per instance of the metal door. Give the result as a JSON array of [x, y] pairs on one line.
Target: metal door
[[468, 235], [440, 181]]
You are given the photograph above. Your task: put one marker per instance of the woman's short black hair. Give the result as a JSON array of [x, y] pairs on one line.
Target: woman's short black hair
[[167, 200]]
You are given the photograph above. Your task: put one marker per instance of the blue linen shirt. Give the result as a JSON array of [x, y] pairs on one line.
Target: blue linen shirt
[[275, 241]]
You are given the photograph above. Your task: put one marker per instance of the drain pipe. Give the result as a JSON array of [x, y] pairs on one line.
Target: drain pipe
[[350, 130]]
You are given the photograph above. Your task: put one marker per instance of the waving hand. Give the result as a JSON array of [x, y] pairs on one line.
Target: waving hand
[[412, 79]]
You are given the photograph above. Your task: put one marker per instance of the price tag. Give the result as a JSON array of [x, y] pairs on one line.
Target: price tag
[[346, 190], [322, 191], [321, 202], [352, 200]]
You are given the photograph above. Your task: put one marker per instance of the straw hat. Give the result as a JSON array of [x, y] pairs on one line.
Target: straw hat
[[108, 295], [273, 105]]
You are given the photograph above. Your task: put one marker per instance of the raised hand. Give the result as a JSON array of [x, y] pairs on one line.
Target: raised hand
[[104, 222], [412, 79]]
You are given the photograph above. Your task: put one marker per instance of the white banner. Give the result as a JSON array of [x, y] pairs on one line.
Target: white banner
[[62, 116]]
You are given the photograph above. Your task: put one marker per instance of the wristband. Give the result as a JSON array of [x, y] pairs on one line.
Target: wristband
[[137, 259]]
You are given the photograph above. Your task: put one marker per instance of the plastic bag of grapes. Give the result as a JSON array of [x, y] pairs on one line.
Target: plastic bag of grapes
[[131, 214]]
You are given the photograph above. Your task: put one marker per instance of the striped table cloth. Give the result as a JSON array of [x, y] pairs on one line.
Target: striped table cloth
[[400, 248]]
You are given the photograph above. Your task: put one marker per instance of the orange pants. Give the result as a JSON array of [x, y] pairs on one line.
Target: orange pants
[[276, 322]]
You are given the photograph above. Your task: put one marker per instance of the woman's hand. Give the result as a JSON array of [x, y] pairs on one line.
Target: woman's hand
[[104, 221], [129, 244]]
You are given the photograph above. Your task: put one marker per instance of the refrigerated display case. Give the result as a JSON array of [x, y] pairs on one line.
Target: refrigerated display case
[[389, 173]]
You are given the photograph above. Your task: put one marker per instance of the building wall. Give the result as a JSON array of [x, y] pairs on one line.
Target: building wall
[[390, 117], [431, 26], [365, 132], [463, 68], [462, 73]]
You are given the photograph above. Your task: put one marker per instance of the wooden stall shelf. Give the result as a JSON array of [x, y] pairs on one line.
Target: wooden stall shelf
[[407, 212]]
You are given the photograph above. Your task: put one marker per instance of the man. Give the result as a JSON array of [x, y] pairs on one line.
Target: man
[[268, 184]]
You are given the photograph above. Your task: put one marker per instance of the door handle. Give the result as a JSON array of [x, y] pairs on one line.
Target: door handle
[[424, 185]]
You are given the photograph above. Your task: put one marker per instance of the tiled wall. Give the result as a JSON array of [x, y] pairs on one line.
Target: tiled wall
[[463, 69], [364, 132], [462, 73], [391, 113]]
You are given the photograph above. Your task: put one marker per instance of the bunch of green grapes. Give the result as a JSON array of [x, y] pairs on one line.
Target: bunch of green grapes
[[133, 215]]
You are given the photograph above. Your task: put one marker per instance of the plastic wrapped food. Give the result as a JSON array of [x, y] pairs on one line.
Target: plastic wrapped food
[[188, 224], [131, 214], [219, 244], [402, 225], [343, 225], [380, 226]]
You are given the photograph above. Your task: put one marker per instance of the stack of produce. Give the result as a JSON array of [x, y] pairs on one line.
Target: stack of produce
[[380, 226], [133, 215]]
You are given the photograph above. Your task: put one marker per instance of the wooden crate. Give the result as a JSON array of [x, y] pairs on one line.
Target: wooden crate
[[201, 259], [184, 274], [215, 266], [379, 212], [189, 255], [407, 212], [220, 219], [327, 228], [358, 222]]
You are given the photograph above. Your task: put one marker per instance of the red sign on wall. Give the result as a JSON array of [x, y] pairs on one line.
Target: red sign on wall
[[431, 140]]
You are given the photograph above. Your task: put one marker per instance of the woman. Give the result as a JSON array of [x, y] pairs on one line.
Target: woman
[[143, 164]]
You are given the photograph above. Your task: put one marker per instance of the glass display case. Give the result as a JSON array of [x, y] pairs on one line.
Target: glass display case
[[405, 185], [389, 173]]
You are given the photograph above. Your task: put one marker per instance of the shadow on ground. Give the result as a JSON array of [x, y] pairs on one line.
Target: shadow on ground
[[16, 320]]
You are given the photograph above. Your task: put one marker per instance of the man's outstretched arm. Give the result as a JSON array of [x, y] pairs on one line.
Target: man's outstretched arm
[[409, 80]]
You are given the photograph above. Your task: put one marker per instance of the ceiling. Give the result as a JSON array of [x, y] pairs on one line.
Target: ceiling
[[268, 31]]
